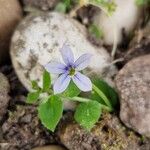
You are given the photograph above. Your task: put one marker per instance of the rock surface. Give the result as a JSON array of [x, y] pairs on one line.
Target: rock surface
[[51, 147], [38, 39], [108, 133], [10, 14], [23, 130], [4, 98], [122, 20], [41, 4], [133, 84]]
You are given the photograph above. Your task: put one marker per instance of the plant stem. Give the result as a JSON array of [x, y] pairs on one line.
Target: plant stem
[[102, 95], [80, 99], [114, 28]]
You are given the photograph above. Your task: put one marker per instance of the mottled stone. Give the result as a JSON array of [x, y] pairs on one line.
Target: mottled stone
[[37, 41], [10, 14], [107, 134], [4, 98], [133, 84]]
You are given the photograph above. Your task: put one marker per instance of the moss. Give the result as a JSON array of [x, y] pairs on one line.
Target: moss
[[113, 135]]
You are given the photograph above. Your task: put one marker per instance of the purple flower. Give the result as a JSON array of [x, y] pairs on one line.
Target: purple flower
[[70, 70]]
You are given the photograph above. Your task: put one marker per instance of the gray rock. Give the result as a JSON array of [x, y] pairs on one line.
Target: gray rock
[[133, 84], [4, 98]]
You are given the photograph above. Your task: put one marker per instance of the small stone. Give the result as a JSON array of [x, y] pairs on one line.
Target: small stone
[[37, 41], [51, 147], [10, 14], [133, 84], [41, 4], [108, 133], [4, 98]]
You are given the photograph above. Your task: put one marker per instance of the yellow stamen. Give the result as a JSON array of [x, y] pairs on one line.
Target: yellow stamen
[[71, 71]]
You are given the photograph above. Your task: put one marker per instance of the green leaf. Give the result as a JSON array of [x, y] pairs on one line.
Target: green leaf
[[61, 7], [87, 114], [50, 112], [71, 91], [109, 6], [94, 30], [35, 85], [109, 92], [33, 97], [46, 81], [142, 2]]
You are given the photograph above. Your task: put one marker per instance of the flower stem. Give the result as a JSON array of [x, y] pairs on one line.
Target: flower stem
[[114, 28], [80, 99], [102, 95]]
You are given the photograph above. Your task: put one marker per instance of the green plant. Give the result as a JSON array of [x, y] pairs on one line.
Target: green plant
[[50, 98]]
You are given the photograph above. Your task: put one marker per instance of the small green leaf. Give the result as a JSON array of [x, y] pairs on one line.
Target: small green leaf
[[61, 7], [94, 30], [33, 97], [109, 92], [142, 2], [50, 112], [71, 91], [46, 81], [87, 114], [109, 6], [35, 85]]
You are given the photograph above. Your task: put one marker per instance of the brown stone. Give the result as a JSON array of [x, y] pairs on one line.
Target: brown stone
[[10, 14], [133, 84]]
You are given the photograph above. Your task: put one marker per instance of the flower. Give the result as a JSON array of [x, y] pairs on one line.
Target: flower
[[70, 71]]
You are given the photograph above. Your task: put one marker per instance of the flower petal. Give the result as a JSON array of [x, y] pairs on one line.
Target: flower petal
[[61, 83], [83, 61], [67, 54], [82, 82], [55, 67]]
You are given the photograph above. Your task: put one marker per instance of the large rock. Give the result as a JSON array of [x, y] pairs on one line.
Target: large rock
[[4, 98], [10, 14], [38, 39], [108, 133], [133, 84]]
